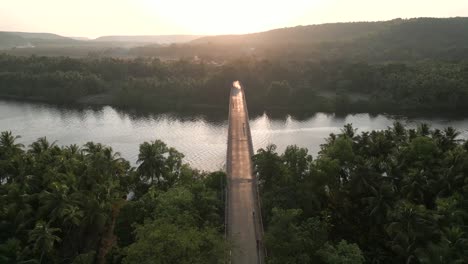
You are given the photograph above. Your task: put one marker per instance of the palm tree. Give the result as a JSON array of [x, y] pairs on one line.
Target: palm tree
[[71, 151], [152, 159], [43, 238], [349, 131], [116, 164], [411, 224], [8, 143], [451, 134], [413, 186], [41, 145], [449, 138], [92, 148], [380, 202], [72, 215], [423, 129], [55, 202], [9, 157], [398, 130], [452, 248]]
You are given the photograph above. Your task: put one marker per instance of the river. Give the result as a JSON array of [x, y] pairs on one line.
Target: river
[[201, 137]]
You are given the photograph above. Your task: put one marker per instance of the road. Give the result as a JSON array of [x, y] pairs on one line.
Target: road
[[244, 227]]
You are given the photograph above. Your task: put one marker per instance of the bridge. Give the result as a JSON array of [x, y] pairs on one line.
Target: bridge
[[244, 228]]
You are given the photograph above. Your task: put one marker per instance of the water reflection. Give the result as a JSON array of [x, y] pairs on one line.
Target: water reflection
[[201, 136]]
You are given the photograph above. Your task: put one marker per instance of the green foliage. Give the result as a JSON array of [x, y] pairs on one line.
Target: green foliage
[[392, 196], [159, 164], [342, 253], [397, 40], [278, 92], [174, 232], [322, 85], [67, 205], [291, 240], [87, 258]]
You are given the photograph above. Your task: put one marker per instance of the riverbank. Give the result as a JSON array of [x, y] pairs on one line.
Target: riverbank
[[151, 84], [217, 112], [201, 135]]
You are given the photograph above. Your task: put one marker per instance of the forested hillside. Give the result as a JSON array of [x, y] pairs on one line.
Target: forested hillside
[[304, 34], [403, 40], [395, 40]]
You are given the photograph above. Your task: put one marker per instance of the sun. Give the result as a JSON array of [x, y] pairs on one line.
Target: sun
[[227, 17]]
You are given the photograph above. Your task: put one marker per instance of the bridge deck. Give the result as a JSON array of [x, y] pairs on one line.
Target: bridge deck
[[243, 217]]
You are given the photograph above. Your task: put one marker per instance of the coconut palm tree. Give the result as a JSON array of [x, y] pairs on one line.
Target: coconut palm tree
[[151, 160], [411, 224], [449, 138], [423, 129], [398, 130], [8, 145], [10, 157], [43, 238], [41, 145]]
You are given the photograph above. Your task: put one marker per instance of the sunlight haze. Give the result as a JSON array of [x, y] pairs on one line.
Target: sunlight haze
[[88, 18]]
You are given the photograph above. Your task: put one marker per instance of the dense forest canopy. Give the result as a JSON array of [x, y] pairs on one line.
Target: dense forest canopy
[[86, 204], [327, 86], [392, 196]]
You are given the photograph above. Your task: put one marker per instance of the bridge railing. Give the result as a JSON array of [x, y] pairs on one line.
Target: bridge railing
[[228, 174], [262, 253]]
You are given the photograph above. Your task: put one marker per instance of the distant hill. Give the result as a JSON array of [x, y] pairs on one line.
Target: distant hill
[[160, 39], [28, 35], [8, 40], [301, 34], [35, 43], [395, 40], [398, 39], [333, 32]]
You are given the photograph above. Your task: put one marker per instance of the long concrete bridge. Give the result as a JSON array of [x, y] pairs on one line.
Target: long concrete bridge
[[244, 226]]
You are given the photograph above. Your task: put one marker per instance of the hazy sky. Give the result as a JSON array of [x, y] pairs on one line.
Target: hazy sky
[[92, 18]]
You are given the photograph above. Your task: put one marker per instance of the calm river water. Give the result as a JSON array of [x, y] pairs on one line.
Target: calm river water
[[201, 137]]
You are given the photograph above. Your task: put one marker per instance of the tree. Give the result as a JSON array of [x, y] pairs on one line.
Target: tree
[[8, 145], [43, 238], [173, 233], [278, 92], [289, 240], [151, 159], [342, 253], [397, 194]]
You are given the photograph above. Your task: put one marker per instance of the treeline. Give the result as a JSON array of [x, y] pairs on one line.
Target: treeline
[[400, 40], [392, 196], [88, 205], [397, 40], [327, 86]]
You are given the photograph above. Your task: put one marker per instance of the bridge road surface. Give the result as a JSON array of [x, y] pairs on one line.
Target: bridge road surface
[[244, 228]]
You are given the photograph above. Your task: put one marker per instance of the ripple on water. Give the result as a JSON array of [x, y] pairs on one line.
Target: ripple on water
[[203, 142]]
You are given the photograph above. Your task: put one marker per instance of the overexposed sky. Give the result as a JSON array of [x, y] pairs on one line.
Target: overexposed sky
[[93, 18]]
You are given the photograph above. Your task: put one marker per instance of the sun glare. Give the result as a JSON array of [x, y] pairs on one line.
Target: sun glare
[[227, 17]]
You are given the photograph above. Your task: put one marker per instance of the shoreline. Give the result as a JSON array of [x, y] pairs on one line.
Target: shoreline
[[274, 111]]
